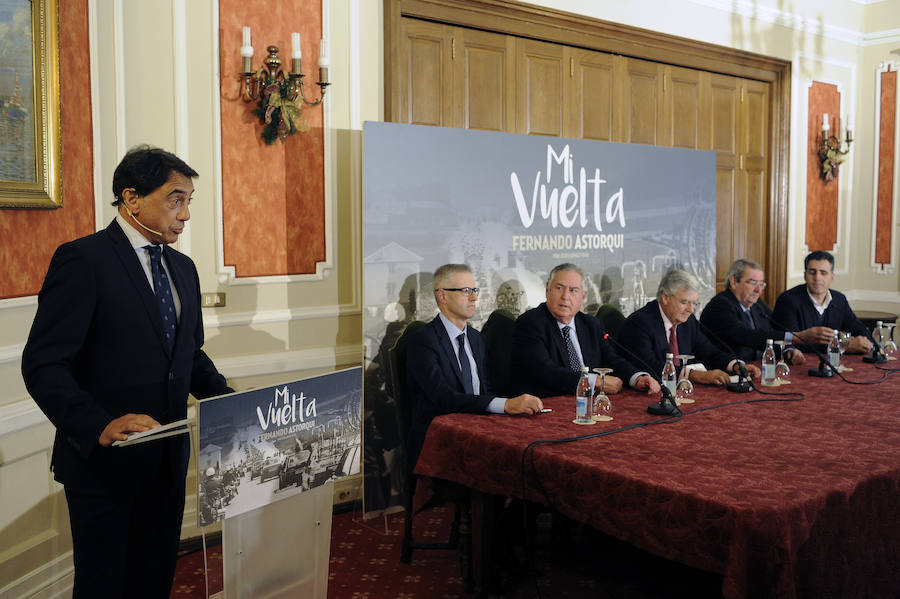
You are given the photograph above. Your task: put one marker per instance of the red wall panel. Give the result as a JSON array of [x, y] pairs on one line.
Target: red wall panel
[[272, 196], [29, 237]]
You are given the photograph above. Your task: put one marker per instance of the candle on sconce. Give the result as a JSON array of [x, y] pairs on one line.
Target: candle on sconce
[[849, 137], [825, 124], [296, 54], [323, 61], [246, 50]]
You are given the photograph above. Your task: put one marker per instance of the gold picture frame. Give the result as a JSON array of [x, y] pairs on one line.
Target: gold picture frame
[[30, 146]]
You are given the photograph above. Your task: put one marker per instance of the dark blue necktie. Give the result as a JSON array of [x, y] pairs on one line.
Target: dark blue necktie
[[163, 293], [574, 361], [464, 366]]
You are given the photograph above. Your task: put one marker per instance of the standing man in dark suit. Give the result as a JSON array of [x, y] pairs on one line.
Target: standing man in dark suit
[[667, 325], [822, 310], [445, 364], [114, 349], [738, 318], [553, 341]]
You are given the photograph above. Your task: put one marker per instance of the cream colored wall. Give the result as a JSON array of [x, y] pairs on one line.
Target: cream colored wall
[[154, 73]]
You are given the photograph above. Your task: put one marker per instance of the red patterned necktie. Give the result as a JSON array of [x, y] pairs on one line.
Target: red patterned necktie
[[673, 343]]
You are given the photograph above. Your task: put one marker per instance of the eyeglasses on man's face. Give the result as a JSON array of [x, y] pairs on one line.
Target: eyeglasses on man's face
[[754, 283], [464, 290]]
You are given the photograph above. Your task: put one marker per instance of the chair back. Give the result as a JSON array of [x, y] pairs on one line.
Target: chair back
[[497, 333], [612, 319], [397, 366]]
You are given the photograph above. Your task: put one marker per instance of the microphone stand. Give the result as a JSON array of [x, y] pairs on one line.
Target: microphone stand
[[877, 356], [666, 405], [825, 369], [744, 383]]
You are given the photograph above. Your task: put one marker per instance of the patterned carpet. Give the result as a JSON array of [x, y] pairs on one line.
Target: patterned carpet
[[365, 564]]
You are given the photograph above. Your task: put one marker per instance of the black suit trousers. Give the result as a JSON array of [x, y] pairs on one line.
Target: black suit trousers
[[126, 539]]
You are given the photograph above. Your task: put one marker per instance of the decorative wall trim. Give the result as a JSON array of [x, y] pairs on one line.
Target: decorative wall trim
[[773, 16], [94, 53], [800, 139], [53, 580], [18, 302], [24, 414], [290, 361], [20, 415], [866, 295], [884, 268], [11, 353], [181, 59], [214, 321], [226, 274]]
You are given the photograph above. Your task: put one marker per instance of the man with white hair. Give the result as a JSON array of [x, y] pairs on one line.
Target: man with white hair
[[668, 325]]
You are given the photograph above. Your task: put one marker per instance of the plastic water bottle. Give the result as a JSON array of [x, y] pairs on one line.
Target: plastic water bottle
[[669, 376], [834, 351], [584, 398], [768, 364]]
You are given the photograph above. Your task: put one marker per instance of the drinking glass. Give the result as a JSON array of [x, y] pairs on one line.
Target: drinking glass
[[844, 338], [890, 348], [684, 389], [602, 405], [782, 370]]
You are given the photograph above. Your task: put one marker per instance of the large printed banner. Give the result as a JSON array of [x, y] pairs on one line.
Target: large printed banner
[[512, 207], [267, 444]]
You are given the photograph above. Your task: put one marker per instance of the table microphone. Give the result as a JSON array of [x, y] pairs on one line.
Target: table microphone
[[744, 383], [878, 356], [825, 368], [666, 405]]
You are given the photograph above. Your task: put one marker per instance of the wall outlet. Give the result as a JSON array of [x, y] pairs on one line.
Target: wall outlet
[[212, 300]]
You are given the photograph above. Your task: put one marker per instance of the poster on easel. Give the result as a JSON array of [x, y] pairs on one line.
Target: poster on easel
[[262, 445]]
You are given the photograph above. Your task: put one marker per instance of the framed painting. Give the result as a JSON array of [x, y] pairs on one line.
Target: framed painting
[[29, 105]]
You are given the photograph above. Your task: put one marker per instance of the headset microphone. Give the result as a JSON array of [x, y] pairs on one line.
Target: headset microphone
[[666, 405], [145, 227]]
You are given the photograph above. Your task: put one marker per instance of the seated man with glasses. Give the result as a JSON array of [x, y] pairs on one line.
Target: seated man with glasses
[[737, 317], [821, 310], [553, 341], [445, 362], [667, 325]]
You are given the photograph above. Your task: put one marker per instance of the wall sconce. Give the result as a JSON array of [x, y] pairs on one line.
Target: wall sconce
[[832, 150], [280, 95]]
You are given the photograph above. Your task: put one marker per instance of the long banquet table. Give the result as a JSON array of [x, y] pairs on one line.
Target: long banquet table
[[783, 499]]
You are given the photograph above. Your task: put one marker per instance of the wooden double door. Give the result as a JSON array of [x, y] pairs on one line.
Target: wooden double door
[[450, 76]]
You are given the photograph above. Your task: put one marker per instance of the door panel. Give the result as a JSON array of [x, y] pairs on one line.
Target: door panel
[[541, 87], [484, 68]]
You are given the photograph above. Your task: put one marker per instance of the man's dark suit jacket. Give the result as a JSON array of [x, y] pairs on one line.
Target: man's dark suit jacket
[[540, 363], [434, 381], [795, 310], [97, 351], [645, 335], [724, 316]]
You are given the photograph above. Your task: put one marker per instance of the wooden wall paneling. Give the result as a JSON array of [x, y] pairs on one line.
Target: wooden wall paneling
[[686, 107], [592, 101], [643, 88], [542, 87], [577, 37], [753, 162], [725, 104], [484, 75], [426, 77], [821, 196], [886, 162]]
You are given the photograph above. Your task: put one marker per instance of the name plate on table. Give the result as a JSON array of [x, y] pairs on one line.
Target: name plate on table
[[267, 444]]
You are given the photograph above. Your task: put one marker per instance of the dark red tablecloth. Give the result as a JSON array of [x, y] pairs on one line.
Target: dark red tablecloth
[[784, 499]]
